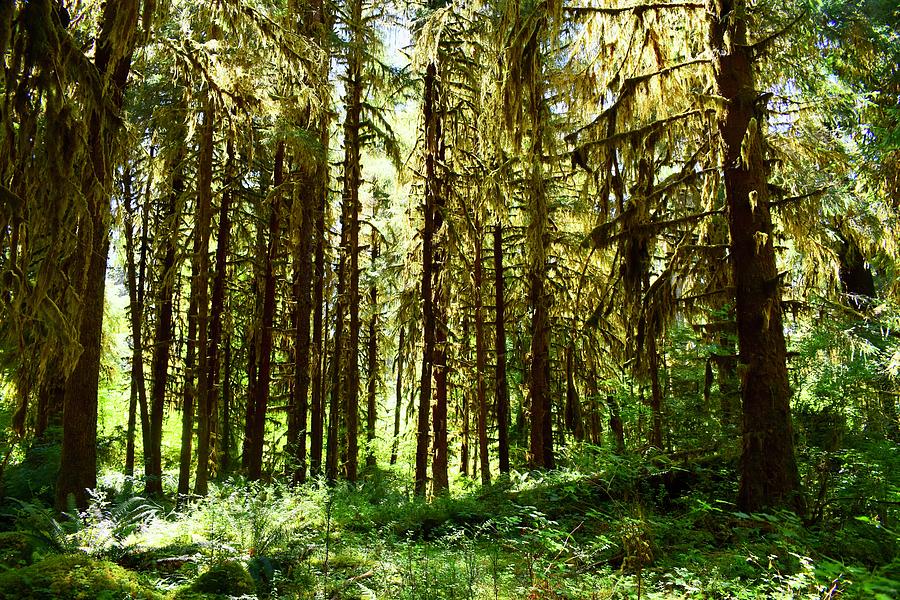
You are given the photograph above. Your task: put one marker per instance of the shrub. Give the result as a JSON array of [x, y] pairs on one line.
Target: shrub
[[73, 577], [222, 580]]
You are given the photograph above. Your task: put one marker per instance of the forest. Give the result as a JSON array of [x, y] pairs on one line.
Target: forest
[[449, 299]]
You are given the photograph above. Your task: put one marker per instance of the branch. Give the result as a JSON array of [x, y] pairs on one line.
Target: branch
[[628, 86], [760, 46], [812, 194], [646, 129], [637, 9]]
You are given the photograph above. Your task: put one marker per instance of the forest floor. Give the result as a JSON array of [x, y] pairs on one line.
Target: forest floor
[[621, 531]]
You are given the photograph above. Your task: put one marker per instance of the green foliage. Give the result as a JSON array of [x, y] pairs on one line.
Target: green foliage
[[16, 549], [221, 581], [35, 476], [73, 577]]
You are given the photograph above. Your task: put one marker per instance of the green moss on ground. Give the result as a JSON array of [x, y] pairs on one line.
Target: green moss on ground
[[73, 577]]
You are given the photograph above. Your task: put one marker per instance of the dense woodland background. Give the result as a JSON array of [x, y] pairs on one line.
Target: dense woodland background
[[590, 299]]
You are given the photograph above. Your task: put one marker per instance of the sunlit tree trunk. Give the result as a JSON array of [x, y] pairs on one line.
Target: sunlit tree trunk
[[769, 475]]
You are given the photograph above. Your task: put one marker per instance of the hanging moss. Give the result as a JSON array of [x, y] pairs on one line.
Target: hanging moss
[[73, 577]]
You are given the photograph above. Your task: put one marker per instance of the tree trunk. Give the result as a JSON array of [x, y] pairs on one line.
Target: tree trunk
[[135, 276], [78, 461], [260, 400], [501, 387], [225, 438], [352, 179], [190, 397], [480, 355], [207, 348], [440, 458], [371, 405], [334, 408], [162, 345], [769, 476], [464, 400], [432, 191], [303, 275], [398, 395]]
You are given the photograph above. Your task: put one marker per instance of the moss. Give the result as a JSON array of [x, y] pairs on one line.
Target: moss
[[73, 577], [16, 549], [223, 580]]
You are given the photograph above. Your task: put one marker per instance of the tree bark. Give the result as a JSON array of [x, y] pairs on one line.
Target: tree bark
[[769, 476], [207, 348], [480, 355], [371, 404], [398, 395], [162, 345], [352, 179], [78, 461], [260, 400], [501, 387], [432, 191], [135, 277]]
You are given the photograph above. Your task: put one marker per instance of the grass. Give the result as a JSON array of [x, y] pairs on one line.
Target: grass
[[616, 532]]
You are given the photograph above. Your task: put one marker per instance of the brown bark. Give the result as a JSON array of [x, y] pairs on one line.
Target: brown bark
[[464, 400], [440, 457], [352, 180], [303, 275], [135, 278], [78, 462], [480, 356], [257, 427], [501, 387], [162, 343], [189, 398], [574, 419], [656, 395], [372, 383], [432, 191], [398, 395], [769, 476], [334, 408], [205, 346]]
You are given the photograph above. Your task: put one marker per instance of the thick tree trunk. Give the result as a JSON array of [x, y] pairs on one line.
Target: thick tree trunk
[[303, 275], [334, 408], [78, 461], [769, 476], [260, 400], [501, 387], [541, 439], [205, 346], [432, 191]]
